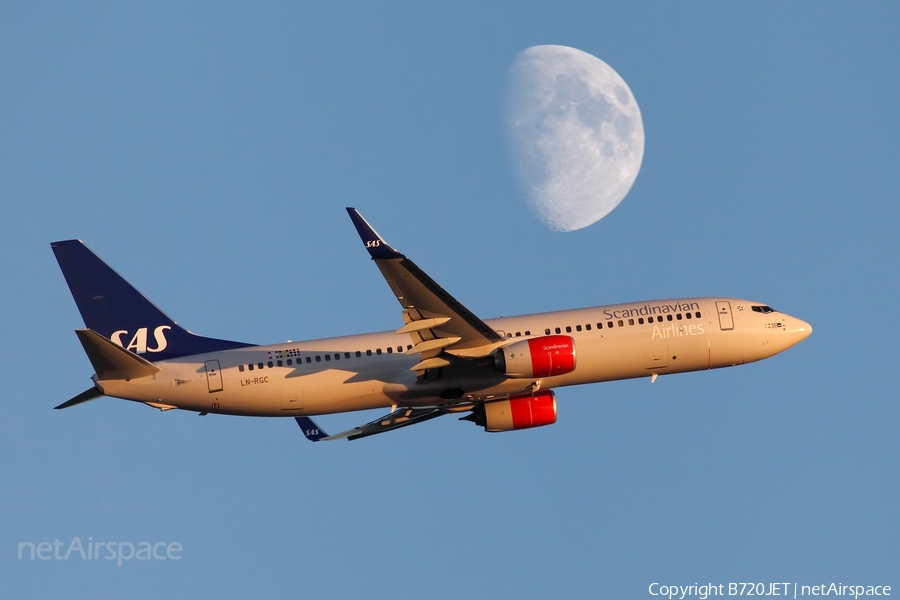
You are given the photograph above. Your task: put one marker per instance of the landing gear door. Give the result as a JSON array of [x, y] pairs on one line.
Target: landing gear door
[[213, 376], [726, 320]]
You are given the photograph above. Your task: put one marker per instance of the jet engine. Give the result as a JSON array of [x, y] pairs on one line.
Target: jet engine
[[538, 357], [516, 412]]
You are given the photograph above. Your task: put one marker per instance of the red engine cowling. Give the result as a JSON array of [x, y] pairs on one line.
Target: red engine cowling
[[517, 412], [539, 357]]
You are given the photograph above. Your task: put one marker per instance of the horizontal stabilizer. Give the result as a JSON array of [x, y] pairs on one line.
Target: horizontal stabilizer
[[84, 396], [111, 361]]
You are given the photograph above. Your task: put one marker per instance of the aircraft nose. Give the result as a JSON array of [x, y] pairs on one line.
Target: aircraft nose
[[800, 330]]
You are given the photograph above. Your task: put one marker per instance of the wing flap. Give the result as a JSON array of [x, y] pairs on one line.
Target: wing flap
[[415, 326]]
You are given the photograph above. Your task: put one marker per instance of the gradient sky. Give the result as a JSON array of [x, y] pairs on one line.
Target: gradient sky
[[206, 151]]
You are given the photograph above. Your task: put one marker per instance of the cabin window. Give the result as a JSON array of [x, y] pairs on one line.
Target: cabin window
[[640, 320], [399, 348], [390, 350], [688, 315], [270, 364], [318, 358], [599, 325], [558, 330], [578, 328], [290, 362], [518, 334], [409, 346], [568, 329], [368, 353], [308, 359], [547, 331], [260, 365], [668, 317], [697, 314], [279, 363], [337, 356], [346, 355], [659, 319], [250, 366], [609, 325], [588, 326], [327, 357], [377, 350], [241, 368], [678, 317], [631, 321]]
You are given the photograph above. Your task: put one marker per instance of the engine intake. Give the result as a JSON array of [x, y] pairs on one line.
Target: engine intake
[[538, 357], [516, 412]]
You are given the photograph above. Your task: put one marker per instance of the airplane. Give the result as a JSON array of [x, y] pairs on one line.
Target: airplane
[[498, 373]]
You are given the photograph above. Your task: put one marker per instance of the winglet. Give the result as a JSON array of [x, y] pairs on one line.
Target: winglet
[[310, 429], [375, 245]]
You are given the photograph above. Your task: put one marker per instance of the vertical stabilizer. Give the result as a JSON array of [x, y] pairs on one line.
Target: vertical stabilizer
[[113, 308]]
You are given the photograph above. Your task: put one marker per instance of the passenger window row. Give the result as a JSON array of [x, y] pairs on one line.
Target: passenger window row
[[518, 334], [390, 350], [622, 322], [317, 358]]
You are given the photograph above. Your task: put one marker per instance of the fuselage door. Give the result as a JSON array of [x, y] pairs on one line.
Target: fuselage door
[[726, 320], [213, 376]]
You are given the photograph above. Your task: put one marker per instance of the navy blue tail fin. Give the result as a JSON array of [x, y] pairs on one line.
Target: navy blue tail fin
[[113, 308]]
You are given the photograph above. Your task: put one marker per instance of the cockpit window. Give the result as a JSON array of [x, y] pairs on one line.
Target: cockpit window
[[763, 309]]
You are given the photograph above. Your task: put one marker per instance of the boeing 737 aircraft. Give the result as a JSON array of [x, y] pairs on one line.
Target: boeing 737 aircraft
[[499, 373]]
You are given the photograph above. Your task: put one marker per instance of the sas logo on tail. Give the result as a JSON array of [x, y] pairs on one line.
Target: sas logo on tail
[[138, 343]]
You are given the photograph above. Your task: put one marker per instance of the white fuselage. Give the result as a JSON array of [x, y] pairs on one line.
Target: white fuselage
[[371, 371]]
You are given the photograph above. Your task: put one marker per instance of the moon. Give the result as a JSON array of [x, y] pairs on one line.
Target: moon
[[575, 135]]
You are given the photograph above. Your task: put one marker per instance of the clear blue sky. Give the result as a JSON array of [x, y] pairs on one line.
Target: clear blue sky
[[206, 151]]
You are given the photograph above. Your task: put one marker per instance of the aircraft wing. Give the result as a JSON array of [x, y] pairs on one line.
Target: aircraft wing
[[401, 417], [434, 319]]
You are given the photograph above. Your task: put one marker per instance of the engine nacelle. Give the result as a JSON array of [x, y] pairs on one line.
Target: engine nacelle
[[516, 412], [538, 357]]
